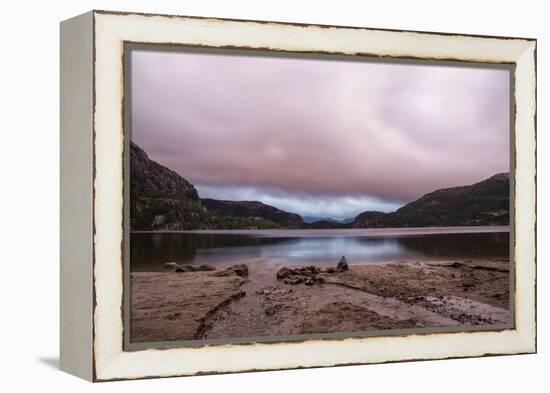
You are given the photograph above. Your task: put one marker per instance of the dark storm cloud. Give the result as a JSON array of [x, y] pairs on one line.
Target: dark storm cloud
[[322, 129]]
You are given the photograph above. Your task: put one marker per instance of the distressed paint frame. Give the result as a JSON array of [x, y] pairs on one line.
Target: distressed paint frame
[[127, 129], [110, 32]]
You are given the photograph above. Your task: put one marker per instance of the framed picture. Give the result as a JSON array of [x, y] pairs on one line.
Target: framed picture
[[245, 195]]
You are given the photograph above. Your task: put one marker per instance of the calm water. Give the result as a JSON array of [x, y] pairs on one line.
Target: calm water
[[149, 251]]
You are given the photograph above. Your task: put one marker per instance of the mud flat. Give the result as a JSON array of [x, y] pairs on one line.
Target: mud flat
[[174, 306], [398, 295], [472, 292]]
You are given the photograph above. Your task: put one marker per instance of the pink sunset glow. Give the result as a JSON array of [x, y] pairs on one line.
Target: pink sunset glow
[[319, 137]]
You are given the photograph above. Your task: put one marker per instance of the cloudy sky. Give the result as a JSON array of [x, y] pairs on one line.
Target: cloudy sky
[[316, 137]]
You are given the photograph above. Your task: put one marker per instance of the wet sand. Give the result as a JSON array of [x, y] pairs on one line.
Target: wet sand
[[405, 294], [175, 306]]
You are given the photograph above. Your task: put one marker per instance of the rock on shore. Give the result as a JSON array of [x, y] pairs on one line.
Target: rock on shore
[[240, 270], [399, 295], [309, 275]]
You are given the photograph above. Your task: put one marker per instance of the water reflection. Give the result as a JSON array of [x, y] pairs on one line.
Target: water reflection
[[149, 251], [464, 245]]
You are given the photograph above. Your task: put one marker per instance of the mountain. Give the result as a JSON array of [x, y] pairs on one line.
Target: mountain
[[312, 219], [253, 209], [161, 199], [483, 203], [371, 219], [326, 224]]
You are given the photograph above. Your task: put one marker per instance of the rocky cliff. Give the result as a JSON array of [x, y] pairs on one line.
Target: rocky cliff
[[161, 199]]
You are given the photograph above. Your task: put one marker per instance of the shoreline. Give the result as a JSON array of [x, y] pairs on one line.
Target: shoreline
[[171, 306], [374, 232]]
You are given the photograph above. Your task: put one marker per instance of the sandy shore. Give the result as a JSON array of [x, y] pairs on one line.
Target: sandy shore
[[175, 306], [406, 294]]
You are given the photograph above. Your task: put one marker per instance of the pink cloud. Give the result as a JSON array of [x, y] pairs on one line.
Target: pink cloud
[[334, 128]]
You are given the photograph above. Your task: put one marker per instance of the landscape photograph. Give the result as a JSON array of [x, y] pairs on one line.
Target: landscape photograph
[[280, 196]]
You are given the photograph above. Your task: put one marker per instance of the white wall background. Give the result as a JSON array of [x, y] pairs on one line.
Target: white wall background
[[29, 194]]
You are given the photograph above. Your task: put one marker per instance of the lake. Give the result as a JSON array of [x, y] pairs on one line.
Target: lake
[[149, 251]]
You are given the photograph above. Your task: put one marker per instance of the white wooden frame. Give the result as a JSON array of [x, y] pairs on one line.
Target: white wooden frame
[[92, 194]]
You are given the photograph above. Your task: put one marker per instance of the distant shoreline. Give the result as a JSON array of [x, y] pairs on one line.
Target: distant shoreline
[[346, 231]]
